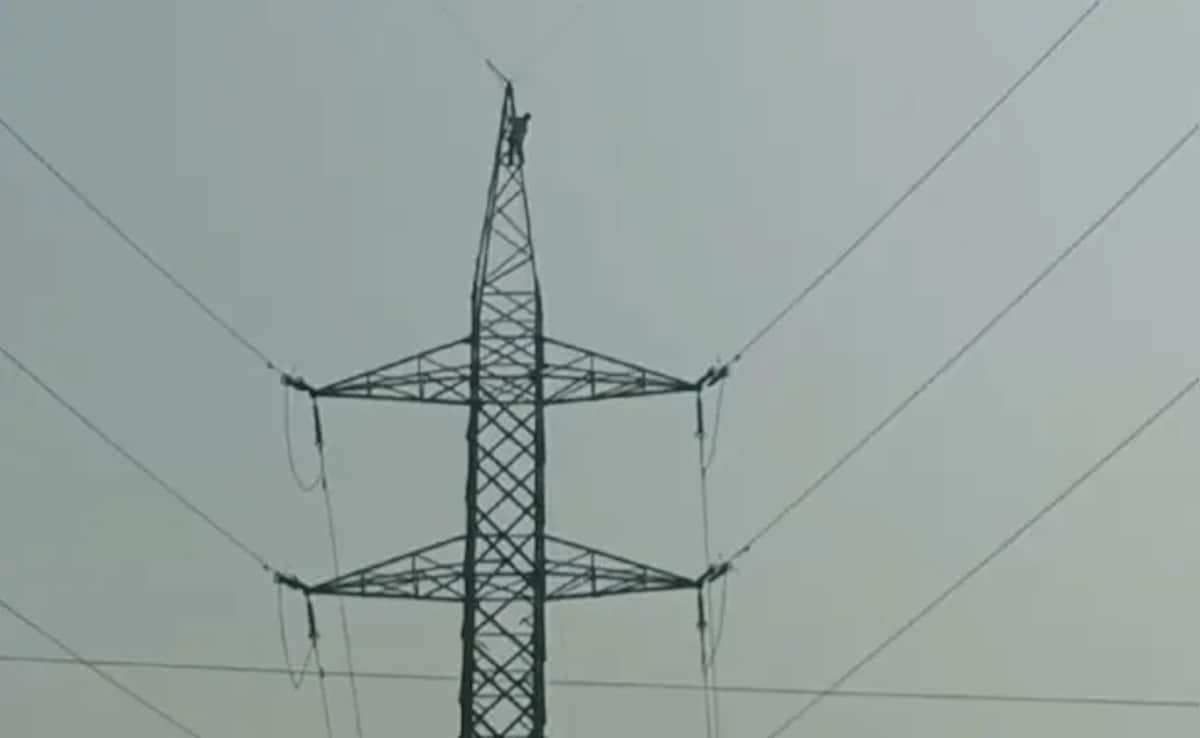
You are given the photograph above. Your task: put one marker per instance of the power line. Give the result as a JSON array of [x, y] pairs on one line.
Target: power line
[[461, 26], [137, 248], [337, 572], [334, 549], [915, 186], [295, 677], [973, 341], [995, 552], [303, 486], [321, 674], [637, 685], [134, 461], [534, 63], [705, 455], [78, 660]]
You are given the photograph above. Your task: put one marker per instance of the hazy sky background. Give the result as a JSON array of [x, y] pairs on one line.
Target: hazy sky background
[[316, 171]]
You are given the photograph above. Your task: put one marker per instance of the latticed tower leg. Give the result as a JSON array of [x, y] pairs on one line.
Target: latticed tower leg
[[502, 681]]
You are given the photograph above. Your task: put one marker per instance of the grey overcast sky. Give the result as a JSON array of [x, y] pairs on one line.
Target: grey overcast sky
[[316, 170]]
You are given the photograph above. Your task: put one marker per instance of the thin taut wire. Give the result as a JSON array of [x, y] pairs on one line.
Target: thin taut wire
[[641, 685], [995, 553], [134, 461], [337, 572], [915, 186], [79, 660], [973, 341], [324, 691], [131, 243]]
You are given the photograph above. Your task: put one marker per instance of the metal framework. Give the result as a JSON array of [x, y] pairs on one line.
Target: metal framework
[[506, 372]]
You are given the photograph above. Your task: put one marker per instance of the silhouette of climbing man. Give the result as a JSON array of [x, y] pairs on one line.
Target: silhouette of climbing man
[[517, 128]]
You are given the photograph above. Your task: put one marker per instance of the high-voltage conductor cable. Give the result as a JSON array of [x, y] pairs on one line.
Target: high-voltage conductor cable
[[706, 451], [966, 347], [79, 660], [322, 479], [344, 617], [996, 552], [141, 251], [128, 456], [916, 185]]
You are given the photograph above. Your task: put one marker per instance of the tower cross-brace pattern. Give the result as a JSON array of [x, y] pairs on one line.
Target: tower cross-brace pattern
[[506, 372]]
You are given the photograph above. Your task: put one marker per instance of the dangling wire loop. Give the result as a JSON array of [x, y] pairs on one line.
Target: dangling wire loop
[[296, 678], [291, 452]]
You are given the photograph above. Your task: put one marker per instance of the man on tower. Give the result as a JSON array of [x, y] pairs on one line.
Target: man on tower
[[517, 128]]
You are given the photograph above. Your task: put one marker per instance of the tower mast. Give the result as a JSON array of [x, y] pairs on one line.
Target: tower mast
[[505, 568]]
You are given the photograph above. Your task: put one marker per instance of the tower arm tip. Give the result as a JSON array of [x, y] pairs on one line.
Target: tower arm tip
[[714, 572], [575, 374], [291, 582]]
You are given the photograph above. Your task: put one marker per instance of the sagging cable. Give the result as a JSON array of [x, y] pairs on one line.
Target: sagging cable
[[314, 637], [304, 486], [296, 678]]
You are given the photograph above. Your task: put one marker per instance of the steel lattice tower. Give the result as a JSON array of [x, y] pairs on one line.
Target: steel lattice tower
[[505, 568]]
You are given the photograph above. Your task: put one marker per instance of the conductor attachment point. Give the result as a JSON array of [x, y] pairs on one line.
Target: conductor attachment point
[[713, 573], [291, 582], [296, 383]]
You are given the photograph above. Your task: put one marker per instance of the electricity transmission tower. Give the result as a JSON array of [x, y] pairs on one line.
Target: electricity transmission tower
[[505, 568]]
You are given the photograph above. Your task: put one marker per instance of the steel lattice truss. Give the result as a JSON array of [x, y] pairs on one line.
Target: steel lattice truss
[[442, 375], [505, 568], [436, 573]]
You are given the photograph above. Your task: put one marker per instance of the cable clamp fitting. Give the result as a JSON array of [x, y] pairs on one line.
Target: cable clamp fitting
[[714, 375], [713, 573], [296, 383], [291, 582]]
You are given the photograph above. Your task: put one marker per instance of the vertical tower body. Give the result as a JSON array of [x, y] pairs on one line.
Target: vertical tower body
[[505, 568], [501, 692]]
